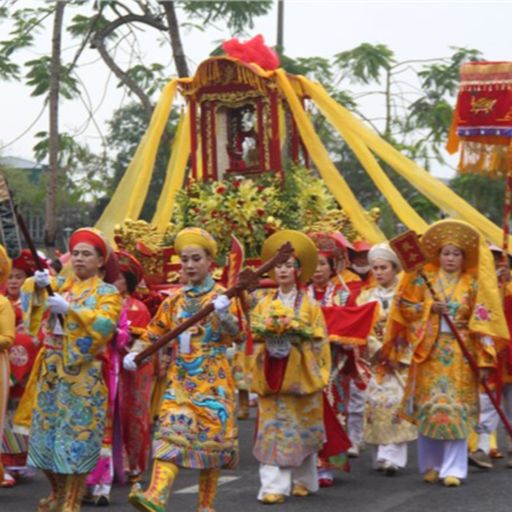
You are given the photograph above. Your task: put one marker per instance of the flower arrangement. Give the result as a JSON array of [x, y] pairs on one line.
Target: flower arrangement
[[280, 320], [252, 208]]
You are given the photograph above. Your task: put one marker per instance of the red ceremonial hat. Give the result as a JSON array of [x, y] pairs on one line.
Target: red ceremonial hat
[[26, 262], [341, 240], [89, 236], [332, 245], [361, 246], [129, 263]]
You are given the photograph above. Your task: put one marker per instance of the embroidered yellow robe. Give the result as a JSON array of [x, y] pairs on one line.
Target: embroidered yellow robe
[[290, 421]]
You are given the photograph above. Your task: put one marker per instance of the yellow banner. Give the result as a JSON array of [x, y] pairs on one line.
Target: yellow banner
[[175, 175], [432, 188], [396, 201], [130, 194], [334, 181]]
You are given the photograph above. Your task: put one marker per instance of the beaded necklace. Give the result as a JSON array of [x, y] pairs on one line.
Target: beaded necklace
[[449, 287], [291, 299]]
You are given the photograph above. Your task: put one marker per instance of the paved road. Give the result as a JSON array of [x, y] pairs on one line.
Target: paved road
[[361, 490]]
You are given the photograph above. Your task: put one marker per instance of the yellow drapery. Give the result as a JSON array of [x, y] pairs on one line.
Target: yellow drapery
[[400, 206], [334, 181], [432, 188], [175, 174], [130, 194]]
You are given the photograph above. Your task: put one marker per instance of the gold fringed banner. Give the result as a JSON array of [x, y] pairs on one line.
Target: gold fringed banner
[[130, 194], [400, 206], [334, 181], [175, 174], [482, 119], [491, 160]]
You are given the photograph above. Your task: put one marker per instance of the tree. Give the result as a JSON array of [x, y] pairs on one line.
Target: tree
[[417, 95], [53, 99], [485, 194], [100, 25]]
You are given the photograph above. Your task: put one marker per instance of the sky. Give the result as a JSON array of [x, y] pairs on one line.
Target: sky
[[413, 29]]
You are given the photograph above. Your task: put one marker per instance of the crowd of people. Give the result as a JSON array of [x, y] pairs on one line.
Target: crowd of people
[[341, 348]]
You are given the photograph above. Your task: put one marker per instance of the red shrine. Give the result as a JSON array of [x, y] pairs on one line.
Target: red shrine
[[240, 123]]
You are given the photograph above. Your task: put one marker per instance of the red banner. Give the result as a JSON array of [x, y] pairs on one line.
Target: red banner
[[350, 324], [408, 249], [484, 103]]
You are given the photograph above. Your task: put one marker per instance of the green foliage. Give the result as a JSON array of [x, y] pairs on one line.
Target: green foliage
[[237, 15], [151, 78], [486, 195], [26, 23], [365, 63], [39, 78], [28, 189], [432, 112], [81, 25], [69, 149]]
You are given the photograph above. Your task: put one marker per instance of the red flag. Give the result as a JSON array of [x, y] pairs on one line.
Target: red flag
[[350, 324], [407, 247]]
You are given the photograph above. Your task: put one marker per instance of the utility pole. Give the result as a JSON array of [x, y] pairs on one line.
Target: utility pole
[[280, 26], [53, 156]]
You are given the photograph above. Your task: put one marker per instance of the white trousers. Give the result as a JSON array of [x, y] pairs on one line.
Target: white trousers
[[489, 419], [487, 422], [355, 421], [276, 480], [448, 458], [394, 453]]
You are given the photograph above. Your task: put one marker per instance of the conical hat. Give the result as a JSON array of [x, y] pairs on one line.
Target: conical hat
[[304, 250], [454, 232]]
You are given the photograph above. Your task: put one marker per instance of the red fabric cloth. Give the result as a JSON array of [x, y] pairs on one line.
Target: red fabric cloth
[[135, 396], [484, 102], [275, 370], [337, 440], [508, 316], [355, 288], [253, 51], [22, 355], [350, 322]]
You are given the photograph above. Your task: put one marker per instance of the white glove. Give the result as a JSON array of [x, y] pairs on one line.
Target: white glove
[[129, 363], [221, 304], [42, 278], [278, 346], [58, 304]]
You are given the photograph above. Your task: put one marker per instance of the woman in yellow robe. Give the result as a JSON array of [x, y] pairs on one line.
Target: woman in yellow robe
[[197, 423], [441, 394], [289, 373], [70, 403], [384, 430], [7, 333]]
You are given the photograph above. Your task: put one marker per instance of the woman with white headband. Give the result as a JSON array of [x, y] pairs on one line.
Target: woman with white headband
[[384, 430]]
